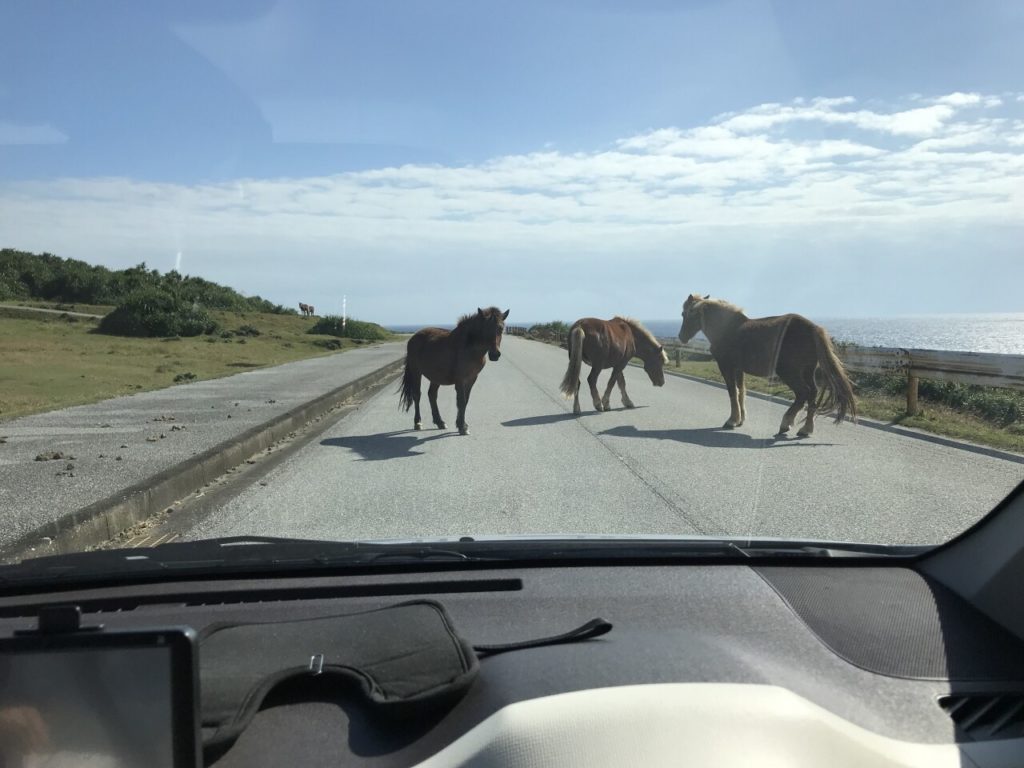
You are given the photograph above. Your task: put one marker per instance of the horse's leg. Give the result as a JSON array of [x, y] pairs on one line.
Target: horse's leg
[[434, 412], [606, 401], [417, 422], [462, 391], [592, 381], [729, 374], [812, 401], [622, 389], [794, 382], [576, 401], [741, 396]]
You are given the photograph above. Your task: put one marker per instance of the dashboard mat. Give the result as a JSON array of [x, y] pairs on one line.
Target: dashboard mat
[[893, 621]]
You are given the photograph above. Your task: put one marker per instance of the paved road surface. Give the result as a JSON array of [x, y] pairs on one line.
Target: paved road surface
[[114, 443], [51, 311], [665, 467]]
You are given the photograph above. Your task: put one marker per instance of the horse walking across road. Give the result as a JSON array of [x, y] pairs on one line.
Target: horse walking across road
[[788, 346], [610, 344], [451, 357]]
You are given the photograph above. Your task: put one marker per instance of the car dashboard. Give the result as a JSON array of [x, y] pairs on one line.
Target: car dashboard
[[714, 664]]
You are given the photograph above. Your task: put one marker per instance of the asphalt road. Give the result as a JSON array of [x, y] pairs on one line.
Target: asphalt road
[[44, 311], [108, 446], [665, 467]]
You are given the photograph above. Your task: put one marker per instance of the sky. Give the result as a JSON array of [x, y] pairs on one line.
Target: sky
[[559, 158]]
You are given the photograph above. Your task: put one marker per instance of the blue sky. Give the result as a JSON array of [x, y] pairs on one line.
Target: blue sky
[[562, 158]]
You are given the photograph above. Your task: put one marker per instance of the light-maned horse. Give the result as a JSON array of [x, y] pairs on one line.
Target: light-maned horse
[[788, 346], [304, 309], [610, 344], [451, 357]]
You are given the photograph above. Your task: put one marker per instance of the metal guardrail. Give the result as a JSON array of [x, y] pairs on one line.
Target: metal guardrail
[[986, 369]]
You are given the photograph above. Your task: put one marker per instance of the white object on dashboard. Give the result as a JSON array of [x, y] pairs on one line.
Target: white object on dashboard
[[694, 724]]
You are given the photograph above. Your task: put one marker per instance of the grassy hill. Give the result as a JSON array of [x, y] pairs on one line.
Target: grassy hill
[[50, 361]]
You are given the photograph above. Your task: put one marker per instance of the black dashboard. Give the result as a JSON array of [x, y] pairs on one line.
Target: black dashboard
[[879, 647]]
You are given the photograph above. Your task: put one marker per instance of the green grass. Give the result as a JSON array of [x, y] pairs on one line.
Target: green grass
[[49, 362], [935, 417]]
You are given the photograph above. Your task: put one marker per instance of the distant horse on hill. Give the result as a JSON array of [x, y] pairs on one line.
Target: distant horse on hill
[[610, 344], [304, 309], [788, 346], [451, 357]]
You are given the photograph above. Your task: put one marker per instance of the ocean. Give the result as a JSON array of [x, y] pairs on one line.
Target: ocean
[[1000, 333]]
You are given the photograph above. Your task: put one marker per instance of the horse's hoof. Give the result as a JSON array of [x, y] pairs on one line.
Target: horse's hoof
[[463, 430], [801, 433], [628, 405], [728, 425], [417, 426], [441, 425]]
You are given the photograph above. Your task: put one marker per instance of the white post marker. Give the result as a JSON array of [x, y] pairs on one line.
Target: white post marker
[[344, 303]]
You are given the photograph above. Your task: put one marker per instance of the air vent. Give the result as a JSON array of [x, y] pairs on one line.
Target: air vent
[[983, 716]]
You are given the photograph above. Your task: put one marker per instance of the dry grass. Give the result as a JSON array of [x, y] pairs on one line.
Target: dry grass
[[50, 362]]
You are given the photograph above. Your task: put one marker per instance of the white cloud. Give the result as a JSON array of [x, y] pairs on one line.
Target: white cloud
[[919, 121], [816, 168], [16, 133]]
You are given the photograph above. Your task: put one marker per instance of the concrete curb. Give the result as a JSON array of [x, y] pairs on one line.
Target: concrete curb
[[104, 519]]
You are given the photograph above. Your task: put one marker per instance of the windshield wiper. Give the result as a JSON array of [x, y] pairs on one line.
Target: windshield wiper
[[799, 548], [236, 553], [257, 554]]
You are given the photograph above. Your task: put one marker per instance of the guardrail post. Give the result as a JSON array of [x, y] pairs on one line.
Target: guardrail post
[[911, 394], [679, 356]]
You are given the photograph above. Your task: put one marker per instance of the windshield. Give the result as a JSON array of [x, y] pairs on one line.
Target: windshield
[[423, 271]]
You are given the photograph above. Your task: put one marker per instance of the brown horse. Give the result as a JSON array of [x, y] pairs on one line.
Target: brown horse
[[451, 357], [788, 346], [610, 344]]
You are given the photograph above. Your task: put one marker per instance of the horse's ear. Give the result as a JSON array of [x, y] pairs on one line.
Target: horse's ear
[[505, 316], [708, 296], [479, 311]]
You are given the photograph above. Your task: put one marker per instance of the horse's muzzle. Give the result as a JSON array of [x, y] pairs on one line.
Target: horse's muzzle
[[494, 354]]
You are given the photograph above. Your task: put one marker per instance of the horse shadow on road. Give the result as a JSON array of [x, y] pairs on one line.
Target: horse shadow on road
[[713, 437], [554, 418], [386, 445]]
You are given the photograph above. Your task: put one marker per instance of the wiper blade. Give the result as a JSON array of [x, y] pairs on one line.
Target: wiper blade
[[230, 553], [801, 548], [257, 554]]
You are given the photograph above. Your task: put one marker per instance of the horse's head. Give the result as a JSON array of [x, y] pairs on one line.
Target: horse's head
[[490, 324], [693, 317], [654, 363]]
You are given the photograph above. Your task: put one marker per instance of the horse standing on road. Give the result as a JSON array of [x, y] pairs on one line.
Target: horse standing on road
[[610, 344], [788, 346], [451, 357]]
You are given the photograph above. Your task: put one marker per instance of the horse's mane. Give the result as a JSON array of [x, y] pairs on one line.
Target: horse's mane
[[468, 318], [722, 304], [638, 328]]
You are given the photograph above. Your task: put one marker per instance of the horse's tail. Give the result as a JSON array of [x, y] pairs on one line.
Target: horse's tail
[[837, 392], [571, 381], [407, 389]]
